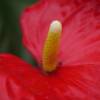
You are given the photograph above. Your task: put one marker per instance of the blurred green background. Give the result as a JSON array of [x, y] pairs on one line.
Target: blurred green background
[[10, 33]]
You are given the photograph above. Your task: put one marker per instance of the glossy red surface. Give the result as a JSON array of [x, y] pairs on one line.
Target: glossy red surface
[[80, 41], [78, 78], [19, 81]]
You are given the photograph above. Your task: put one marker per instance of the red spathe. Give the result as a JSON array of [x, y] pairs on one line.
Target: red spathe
[[78, 78], [19, 81], [80, 41]]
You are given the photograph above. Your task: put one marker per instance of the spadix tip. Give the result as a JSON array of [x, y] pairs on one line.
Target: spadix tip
[[55, 26]]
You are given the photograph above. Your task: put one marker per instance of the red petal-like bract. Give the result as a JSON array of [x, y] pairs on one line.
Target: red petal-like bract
[[78, 78], [19, 81], [80, 41]]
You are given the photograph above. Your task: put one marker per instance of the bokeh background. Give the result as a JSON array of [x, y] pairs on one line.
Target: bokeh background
[[10, 32]]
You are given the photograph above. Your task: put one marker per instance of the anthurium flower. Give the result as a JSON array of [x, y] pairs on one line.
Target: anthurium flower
[[64, 38]]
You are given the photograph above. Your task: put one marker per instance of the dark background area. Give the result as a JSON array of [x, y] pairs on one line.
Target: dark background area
[[10, 32]]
